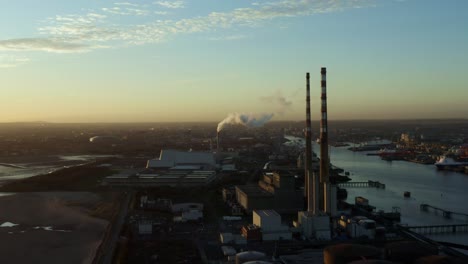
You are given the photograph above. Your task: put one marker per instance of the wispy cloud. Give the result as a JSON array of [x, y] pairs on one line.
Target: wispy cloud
[[162, 13], [231, 37], [126, 4], [85, 32], [127, 9], [171, 4], [12, 61], [43, 44]]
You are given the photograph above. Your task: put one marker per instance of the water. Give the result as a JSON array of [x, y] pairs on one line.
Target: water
[[26, 171], [85, 157], [443, 189], [9, 173]]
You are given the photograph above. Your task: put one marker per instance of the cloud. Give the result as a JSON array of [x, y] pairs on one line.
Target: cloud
[[162, 13], [42, 44], [126, 4], [11, 61], [98, 29], [231, 37], [171, 4], [126, 9]]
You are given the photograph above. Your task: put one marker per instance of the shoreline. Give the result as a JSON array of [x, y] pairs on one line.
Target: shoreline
[[29, 167]]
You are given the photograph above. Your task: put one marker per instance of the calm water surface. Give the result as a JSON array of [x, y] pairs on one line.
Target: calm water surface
[[447, 190]]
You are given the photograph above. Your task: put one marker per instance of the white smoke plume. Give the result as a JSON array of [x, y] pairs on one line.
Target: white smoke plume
[[282, 103], [247, 120]]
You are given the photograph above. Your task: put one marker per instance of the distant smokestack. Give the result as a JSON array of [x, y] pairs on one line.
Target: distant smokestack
[[308, 143], [324, 156], [309, 178]]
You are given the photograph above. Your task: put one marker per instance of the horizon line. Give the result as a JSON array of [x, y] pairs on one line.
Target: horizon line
[[273, 121]]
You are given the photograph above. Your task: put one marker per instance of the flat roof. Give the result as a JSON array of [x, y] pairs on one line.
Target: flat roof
[[254, 191], [267, 213]]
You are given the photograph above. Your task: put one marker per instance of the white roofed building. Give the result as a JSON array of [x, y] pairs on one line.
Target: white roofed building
[[172, 168], [172, 159]]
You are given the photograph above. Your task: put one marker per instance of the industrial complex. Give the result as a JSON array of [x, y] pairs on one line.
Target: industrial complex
[[255, 191], [290, 210]]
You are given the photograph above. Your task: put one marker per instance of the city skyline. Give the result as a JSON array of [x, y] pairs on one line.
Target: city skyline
[[159, 61]]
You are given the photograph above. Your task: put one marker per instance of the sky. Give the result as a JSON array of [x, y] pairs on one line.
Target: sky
[[199, 60]]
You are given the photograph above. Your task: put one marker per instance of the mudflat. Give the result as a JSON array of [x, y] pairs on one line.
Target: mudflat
[[53, 227]]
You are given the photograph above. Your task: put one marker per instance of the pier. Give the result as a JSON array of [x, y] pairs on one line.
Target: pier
[[438, 229], [447, 214], [367, 184]]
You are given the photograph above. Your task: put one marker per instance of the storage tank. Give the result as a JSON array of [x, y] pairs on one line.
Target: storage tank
[[247, 256], [435, 259], [407, 252], [344, 253]]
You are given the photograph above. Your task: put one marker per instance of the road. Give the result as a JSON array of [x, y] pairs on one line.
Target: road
[[108, 245]]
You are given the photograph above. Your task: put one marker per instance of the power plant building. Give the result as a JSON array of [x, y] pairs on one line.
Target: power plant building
[[274, 191]]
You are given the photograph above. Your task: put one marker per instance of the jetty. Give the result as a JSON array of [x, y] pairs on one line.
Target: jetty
[[367, 184], [439, 229], [446, 213]]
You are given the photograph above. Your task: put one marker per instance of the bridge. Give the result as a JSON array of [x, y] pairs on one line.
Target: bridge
[[444, 247], [367, 184], [446, 213]]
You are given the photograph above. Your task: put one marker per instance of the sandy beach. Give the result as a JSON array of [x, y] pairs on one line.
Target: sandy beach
[[50, 228]]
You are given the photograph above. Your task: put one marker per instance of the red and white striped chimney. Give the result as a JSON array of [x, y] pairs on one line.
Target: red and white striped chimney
[[310, 178], [324, 155]]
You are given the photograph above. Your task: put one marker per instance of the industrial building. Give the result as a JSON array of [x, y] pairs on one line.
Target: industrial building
[[182, 160], [187, 212], [269, 221], [172, 168], [179, 178], [274, 191]]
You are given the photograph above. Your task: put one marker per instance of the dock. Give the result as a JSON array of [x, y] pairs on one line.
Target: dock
[[367, 184], [446, 213]]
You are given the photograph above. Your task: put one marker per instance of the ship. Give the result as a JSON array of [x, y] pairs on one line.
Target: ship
[[446, 162], [393, 154], [372, 145]]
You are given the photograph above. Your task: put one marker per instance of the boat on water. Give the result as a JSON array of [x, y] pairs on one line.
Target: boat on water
[[393, 154], [446, 162], [372, 145]]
